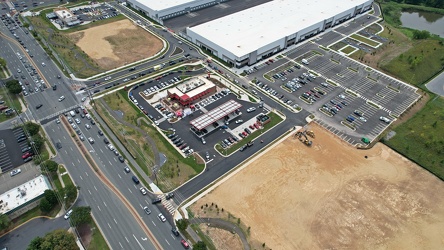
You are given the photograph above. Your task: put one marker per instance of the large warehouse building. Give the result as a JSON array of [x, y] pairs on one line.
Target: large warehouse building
[[160, 10], [253, 34]]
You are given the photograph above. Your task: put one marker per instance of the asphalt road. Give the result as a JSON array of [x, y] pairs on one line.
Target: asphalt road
[[113, 170], [436, 85], [20, 238], [115, 220]]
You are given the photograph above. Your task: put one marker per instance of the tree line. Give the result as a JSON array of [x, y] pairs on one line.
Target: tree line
[[428, 3]]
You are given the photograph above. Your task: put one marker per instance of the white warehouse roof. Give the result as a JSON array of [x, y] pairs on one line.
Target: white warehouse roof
[[159, 5], [250, 29]]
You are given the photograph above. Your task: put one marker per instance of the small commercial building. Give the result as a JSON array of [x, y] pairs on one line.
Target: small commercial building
[[161, 10], [24, 197], [66, 16], [192, 91], [246, 37]]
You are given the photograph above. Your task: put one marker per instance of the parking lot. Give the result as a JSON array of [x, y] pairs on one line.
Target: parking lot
[[346, 97], [14, 149], [186, 140]]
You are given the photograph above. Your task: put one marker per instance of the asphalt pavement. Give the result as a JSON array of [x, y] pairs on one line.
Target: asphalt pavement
[[20, 238], [436, 85]]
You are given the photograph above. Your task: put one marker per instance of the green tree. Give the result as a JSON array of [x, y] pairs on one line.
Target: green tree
[[32, 128], [58, 239], [2, 63], [182, 224], [38, 141], [70, 191], [35, 243], [50, 196], [26, 25], [81, 215], [51, 166], [14, 86], [200, 245], [4, 221], [45, 206]]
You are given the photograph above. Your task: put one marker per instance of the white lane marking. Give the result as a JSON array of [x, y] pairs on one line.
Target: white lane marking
[[126, 239], [119, 176], [78, 160], [120, 245], [109, 225], [99, 208], [105, 204], [167, 242], [153, 223], [115, 220], [86, 174], [130, 190], [81, 177], [89, 192], [95, 188], [140, 245]]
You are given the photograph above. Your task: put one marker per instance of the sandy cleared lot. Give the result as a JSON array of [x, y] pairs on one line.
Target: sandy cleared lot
[[115, 44], [330, 196]]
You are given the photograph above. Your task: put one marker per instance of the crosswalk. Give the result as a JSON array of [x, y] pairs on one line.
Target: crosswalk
[[167, 204], [51, 116]]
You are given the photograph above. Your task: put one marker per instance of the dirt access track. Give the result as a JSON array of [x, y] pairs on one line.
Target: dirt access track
[[329, 196], [118, 43]]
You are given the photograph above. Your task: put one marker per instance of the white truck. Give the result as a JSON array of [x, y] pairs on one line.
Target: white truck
[[157, 67]]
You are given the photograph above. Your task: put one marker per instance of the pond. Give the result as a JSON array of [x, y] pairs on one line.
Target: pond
[[421, 20]]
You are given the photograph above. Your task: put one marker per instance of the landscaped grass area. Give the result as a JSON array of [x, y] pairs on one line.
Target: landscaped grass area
[[365, 40], [275, 119], [2, 73], [419, 63], [348, 49], [337, 46], [422, 139], [97, 240], [12, 102], [175, 171]]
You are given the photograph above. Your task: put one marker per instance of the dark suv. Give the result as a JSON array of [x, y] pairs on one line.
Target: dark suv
[[175, 231], [169, 196], [156, 200]]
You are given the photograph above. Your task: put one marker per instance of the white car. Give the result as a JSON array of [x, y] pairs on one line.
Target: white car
[[143, 190], [87, 126], [68, 214], [239, 121], [161, 217], [384, 119], [251, 109], [16, 172], [107, 78], [341, 96], [203, 141], [84, 99], [362, 119], [61, 98], [77, 120]]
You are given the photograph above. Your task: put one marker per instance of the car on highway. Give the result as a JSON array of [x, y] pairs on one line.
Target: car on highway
[[169, 196], [156, 200], [100, 132], [143, 190], [91, 140], [147, 210], [175, 231], [161, 217], [68, 214], [207, 155], [121, 159], [184, 243], [16, 172], [59, 145]]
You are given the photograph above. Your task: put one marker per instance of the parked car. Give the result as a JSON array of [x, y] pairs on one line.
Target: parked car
[[16, 172]]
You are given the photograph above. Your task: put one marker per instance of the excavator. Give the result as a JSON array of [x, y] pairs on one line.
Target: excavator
[[303, 138], [310, 133]]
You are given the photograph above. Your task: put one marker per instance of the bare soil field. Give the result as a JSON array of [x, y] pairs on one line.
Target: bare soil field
[[115, 44], [332, 196], [222, 239]]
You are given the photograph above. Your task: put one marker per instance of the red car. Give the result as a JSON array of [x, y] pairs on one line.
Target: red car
[[26, 155], [184, 243], [251, 127], [244, 133], [256, 126]]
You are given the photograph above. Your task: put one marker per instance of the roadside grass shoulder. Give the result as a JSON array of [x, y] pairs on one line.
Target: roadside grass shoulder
[[97, 239]]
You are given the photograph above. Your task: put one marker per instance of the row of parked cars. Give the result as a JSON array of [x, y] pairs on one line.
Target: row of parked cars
[[181, 144]]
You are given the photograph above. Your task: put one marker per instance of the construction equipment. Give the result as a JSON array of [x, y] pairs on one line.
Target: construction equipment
[[310, 133], [303, 138]]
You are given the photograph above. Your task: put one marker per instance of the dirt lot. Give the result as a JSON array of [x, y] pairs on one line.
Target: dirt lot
[[115, 44], [330, 196]]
